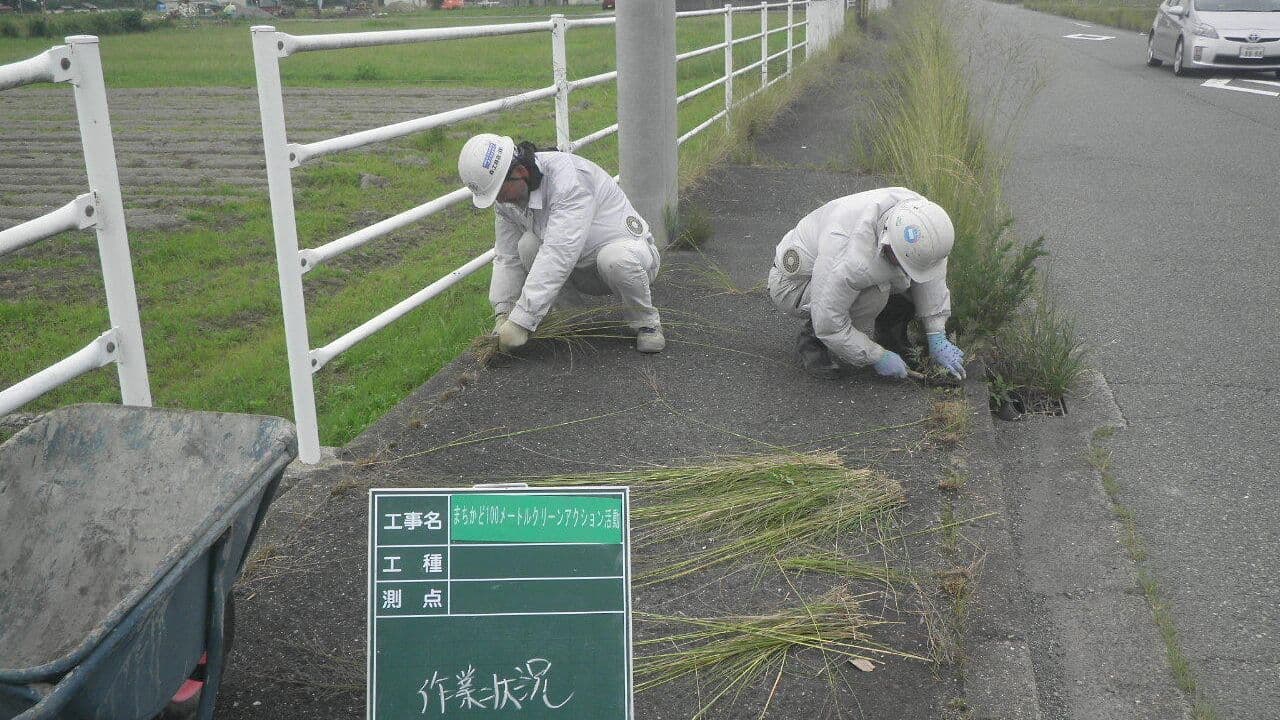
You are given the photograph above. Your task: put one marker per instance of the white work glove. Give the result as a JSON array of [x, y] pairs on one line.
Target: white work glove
[[891, 365], [497, 322], [511, 336], [950, 357]]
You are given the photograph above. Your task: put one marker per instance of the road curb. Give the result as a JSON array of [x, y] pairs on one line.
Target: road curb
[[999, 677]]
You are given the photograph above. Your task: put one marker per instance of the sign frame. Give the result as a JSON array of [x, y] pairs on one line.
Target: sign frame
[[620, 492]]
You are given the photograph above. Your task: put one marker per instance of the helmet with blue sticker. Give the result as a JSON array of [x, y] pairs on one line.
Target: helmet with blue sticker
[[921, 235], [483, 165]]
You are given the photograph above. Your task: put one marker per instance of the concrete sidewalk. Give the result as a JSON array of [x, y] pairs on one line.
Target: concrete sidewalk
[[725, 385]]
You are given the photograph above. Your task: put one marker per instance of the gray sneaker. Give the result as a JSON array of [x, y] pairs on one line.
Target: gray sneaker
[[650, 340]]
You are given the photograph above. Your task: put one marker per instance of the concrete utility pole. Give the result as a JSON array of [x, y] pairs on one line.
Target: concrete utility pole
[[646, 42]]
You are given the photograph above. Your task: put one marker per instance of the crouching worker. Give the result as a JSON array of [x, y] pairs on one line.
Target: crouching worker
[[857, 270], [560, 220]]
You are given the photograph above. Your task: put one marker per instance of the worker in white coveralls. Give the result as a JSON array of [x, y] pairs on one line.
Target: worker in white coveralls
[[559, 220], [857, 269]]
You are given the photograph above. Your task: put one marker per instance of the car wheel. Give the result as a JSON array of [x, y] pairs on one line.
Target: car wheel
[[1179, 62], [1152, 60]]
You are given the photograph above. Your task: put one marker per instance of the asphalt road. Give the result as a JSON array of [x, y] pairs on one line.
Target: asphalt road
[[1157, 197]]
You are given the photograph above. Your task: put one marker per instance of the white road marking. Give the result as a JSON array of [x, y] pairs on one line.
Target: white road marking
[[1087, 36], [1081, 24], [1221, 84], [1272, 83]]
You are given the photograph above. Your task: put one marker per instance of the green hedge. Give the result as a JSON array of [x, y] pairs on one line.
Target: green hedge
[[113, 22], [1127, 15]]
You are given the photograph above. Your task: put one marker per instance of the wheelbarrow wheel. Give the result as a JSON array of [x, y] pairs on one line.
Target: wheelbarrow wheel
[[187, 700]]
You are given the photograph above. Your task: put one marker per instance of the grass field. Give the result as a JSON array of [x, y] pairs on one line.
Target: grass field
[[208, 292]]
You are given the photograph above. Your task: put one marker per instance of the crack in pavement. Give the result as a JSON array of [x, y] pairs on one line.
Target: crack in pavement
[[1175, 383]]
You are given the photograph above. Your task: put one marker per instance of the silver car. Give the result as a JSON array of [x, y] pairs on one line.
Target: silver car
[[1216, 34]]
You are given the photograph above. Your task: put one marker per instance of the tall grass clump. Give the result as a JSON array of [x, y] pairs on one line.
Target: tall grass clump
[[1037, 350], [927, 137], [756, 506]]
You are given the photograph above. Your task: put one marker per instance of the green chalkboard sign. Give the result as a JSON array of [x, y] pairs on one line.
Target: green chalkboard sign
[[491, 603]]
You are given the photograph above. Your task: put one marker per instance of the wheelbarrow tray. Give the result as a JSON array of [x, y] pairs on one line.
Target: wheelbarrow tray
[[120, 527]]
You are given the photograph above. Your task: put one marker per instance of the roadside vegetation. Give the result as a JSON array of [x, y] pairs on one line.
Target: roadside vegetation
[[208, 291], [932, 135], [1179, 663], [113, 22], [1136, 16]]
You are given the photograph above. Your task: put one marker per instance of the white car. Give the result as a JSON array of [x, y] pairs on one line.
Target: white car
[[1216, 34]]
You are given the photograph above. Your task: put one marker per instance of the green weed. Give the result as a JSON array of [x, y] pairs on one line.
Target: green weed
[[1179, 663], [1039, 350]]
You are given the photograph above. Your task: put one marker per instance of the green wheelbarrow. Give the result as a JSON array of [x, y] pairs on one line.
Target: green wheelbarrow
[[122, 530]]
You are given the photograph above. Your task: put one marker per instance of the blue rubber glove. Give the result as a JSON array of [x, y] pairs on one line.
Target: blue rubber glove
[[891, 365], [950, 357]]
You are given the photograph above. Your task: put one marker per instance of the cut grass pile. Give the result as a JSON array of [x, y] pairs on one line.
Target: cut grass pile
[[751, 507], [730, 654], [208, 294], [575, 329], [794, 512], [842, 565]]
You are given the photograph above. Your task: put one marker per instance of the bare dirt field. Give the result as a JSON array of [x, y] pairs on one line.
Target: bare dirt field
[[176, 146]]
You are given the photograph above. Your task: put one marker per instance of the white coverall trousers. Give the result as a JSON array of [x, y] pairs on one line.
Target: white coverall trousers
[[791, 295], [624, 268]]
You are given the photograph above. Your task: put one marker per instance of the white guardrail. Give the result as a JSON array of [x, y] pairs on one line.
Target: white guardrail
[[270, 47], [79, 63]]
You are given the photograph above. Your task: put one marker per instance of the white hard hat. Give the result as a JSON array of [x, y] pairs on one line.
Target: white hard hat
[[921, 235], [483, 165]]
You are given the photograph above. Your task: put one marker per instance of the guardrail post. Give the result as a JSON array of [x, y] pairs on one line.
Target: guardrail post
[[811, 19], [266, 60], [791, 19], [560, 72], [113, 238], [647, 138], [764, 43], [728, 66]]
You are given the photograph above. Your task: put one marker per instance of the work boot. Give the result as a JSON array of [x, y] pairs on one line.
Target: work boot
[[814, 357], [650, 339], [891, 327]]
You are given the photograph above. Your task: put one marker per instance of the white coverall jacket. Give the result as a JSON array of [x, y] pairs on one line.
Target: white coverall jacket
[[578, 228], [830, 268]]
